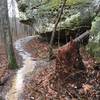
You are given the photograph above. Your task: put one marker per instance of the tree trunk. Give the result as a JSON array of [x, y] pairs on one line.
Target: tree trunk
[[7, 35]]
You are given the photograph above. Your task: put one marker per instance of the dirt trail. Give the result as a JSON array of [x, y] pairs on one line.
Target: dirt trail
[[28, 65]]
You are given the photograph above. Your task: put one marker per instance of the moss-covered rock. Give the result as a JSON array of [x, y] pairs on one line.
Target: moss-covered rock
[[75, 13], [94, 45]]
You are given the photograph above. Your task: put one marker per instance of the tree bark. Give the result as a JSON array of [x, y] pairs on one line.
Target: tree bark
[[57, 21], [7, 34], [54, 30]]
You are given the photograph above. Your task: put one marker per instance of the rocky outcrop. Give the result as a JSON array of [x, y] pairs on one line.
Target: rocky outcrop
[[42, 14], [77, 17]]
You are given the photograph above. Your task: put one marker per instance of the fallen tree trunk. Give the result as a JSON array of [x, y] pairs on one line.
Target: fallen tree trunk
[[65, 34], [77, 40], [69, 55]]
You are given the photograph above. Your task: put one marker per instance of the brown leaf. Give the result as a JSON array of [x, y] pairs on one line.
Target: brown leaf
[[87, 87]]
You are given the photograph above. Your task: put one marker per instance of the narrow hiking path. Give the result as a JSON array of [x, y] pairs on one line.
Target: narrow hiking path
[[29, 65], [17, 83]]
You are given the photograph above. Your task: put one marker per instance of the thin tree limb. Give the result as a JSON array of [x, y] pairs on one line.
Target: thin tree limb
[[54, 30], [57, 21]]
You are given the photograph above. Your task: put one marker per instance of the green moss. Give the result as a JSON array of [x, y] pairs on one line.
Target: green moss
[[72, 21], [22, 5], [94, 49], [96, 26], [94, 45], [50, 6]]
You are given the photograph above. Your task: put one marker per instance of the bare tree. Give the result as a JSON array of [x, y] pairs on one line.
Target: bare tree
[[7, 34]]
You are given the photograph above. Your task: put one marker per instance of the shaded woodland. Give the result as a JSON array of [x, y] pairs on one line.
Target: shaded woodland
[[49, 49]]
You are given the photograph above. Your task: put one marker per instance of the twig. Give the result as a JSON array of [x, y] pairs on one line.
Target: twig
[[73, 74], [67, 91]]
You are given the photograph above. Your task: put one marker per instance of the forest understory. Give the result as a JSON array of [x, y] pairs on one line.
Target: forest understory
[[55, 81], [50, 50]]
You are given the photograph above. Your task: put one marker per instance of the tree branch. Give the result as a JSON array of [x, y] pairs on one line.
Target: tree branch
[[57, 21], [54, 30]]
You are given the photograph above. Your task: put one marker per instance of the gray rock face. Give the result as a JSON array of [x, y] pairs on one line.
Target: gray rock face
[[41, 13]]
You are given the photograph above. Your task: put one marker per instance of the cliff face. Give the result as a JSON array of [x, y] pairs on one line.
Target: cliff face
[[77, 16], [44, 12]]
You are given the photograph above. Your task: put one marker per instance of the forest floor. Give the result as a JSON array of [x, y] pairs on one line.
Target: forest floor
[[73, 85], [47, 85], [5, 72]]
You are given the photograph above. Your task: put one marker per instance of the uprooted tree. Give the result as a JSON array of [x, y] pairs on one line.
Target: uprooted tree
[[69, 54]]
